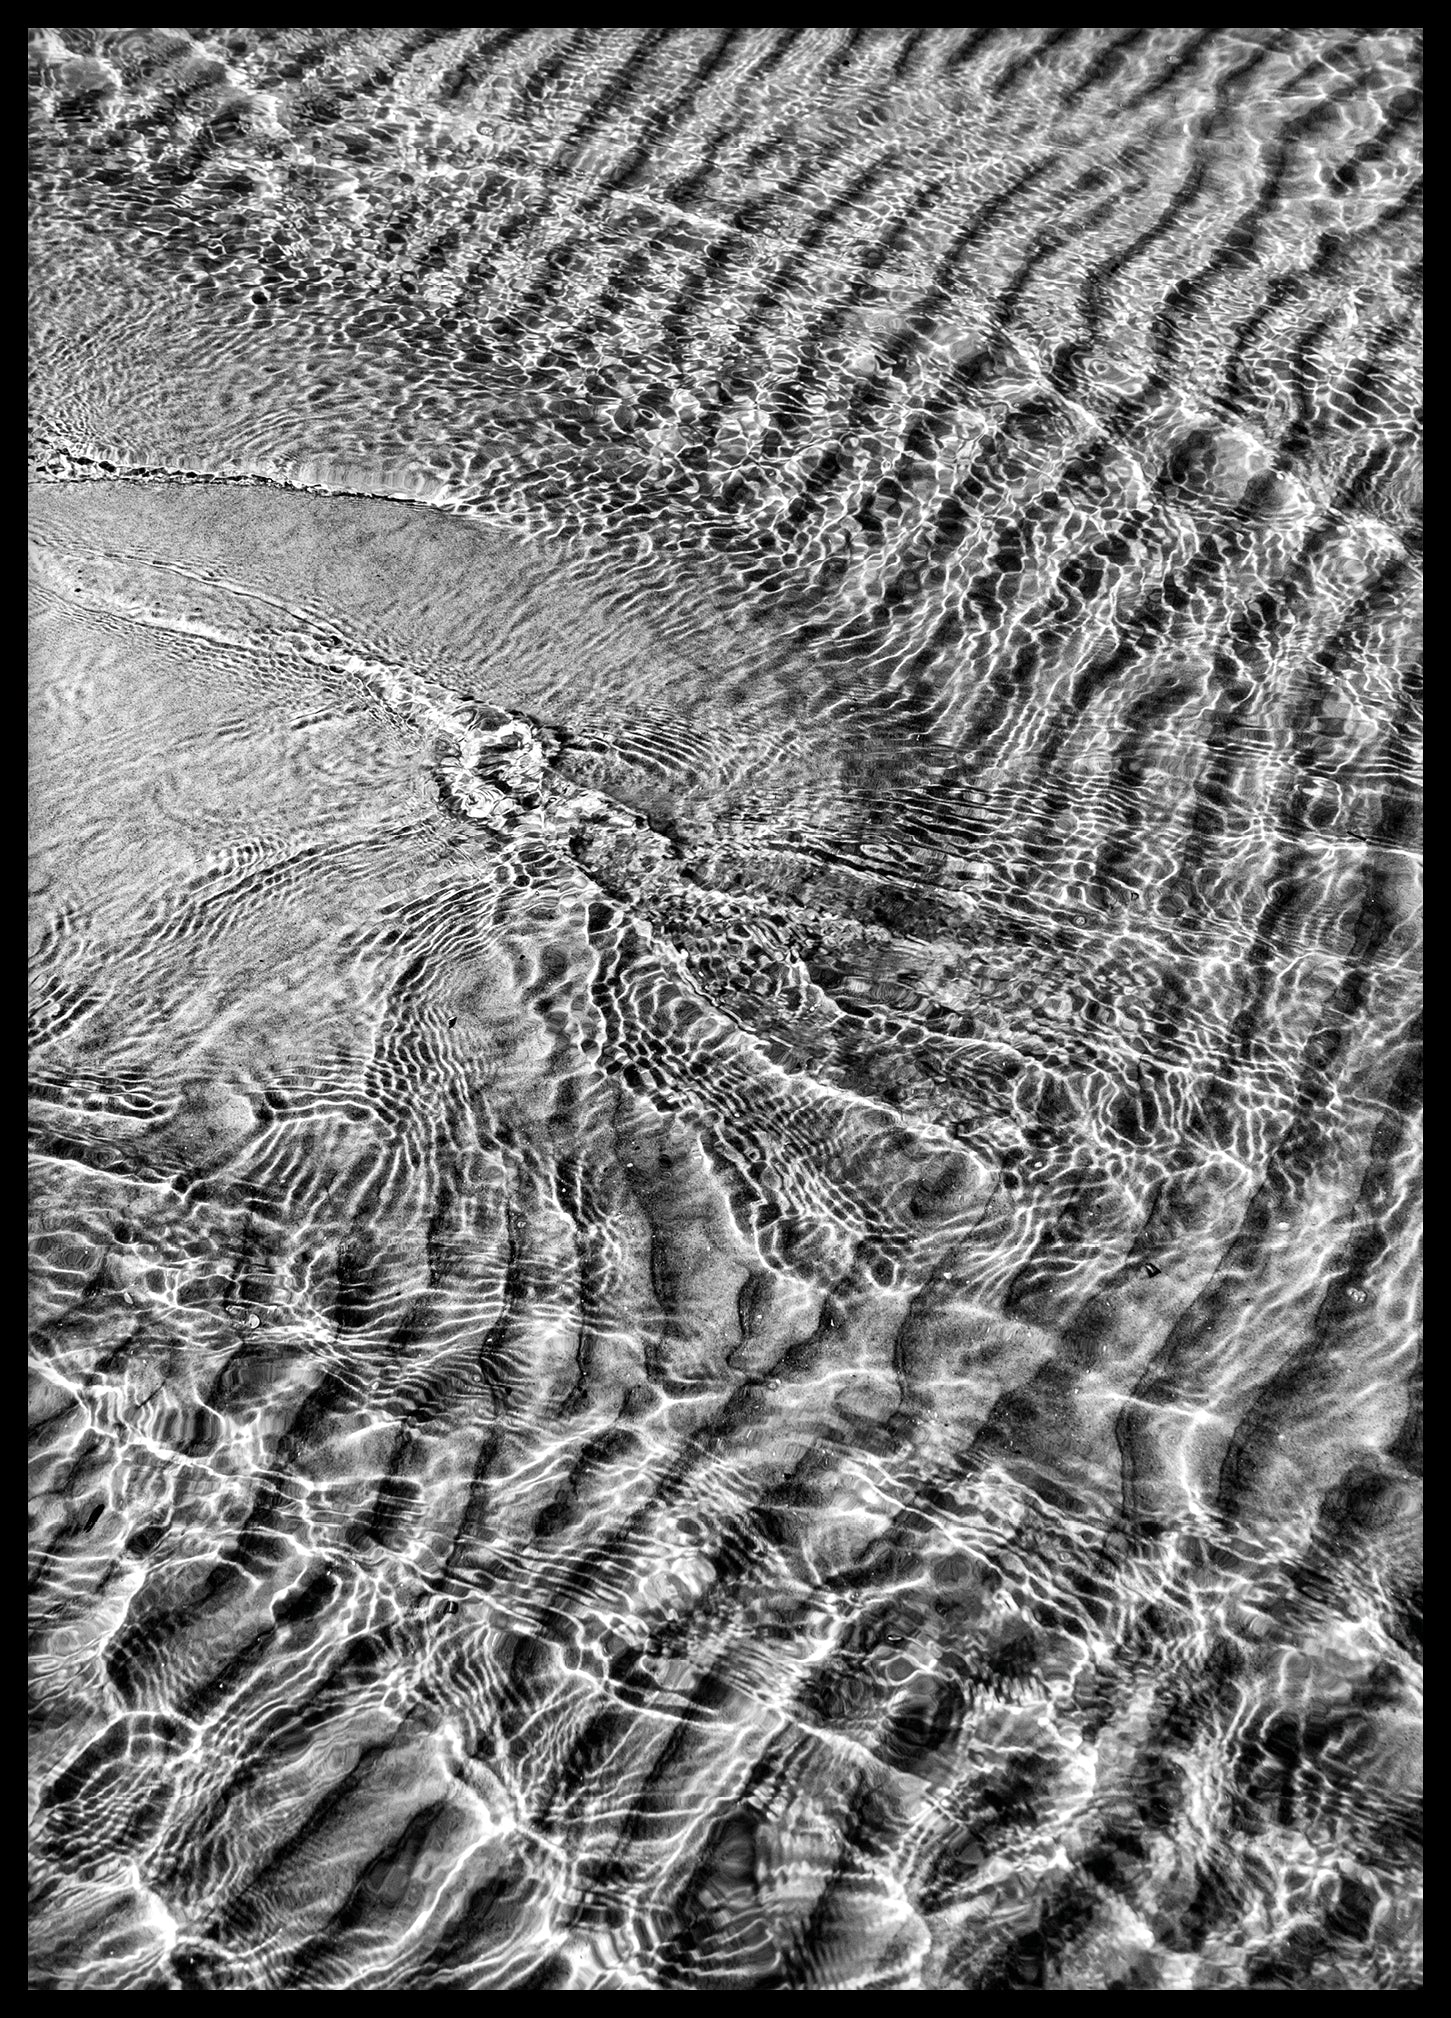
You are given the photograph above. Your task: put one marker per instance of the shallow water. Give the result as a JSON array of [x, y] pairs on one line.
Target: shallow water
[[725, 1009]]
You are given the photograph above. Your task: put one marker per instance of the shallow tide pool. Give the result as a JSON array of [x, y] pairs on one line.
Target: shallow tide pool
[[725, 1009]]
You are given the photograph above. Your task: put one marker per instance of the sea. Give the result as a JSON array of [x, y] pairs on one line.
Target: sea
[[725, 1008]]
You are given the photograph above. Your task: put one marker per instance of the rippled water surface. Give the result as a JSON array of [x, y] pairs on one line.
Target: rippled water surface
[[725, 1014]]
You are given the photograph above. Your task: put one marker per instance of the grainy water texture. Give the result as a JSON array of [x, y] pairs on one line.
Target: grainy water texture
[[725, 1015]]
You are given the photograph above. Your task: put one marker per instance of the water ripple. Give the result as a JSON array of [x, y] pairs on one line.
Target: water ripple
[[724, 1016]]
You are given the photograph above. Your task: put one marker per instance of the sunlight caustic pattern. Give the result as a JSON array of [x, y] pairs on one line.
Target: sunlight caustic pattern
[[725, 1009]]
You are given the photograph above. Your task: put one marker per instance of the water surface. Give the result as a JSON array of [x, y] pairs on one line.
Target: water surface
[[725, 1009]]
